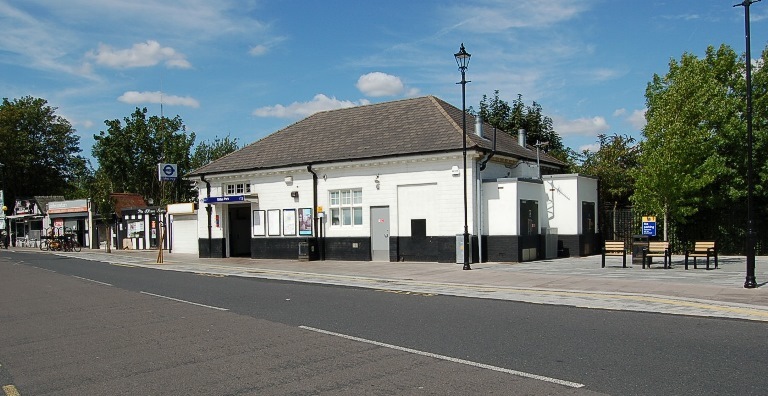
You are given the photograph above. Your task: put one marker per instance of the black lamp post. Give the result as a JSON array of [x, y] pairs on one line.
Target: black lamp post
[[3, 207], [751, 281], [462, 59]]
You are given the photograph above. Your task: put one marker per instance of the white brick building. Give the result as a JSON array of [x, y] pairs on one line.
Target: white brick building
[[384, 182]]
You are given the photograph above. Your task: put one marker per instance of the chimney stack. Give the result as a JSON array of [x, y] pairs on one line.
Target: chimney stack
[[521, 137], [479, 125]]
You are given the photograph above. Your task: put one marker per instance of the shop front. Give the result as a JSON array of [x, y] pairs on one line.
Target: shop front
[[73, 217]]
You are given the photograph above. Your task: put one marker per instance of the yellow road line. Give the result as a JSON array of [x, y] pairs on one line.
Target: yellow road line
[[711, 306], [123, 265], [661, 300], [209, 274], [10, 390]]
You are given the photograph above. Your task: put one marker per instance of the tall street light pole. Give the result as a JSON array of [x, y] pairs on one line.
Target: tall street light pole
[[751, 281], [462, 60], [3, 208]]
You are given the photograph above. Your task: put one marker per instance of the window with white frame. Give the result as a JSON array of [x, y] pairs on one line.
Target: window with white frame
[[346, 207], [237, 188]]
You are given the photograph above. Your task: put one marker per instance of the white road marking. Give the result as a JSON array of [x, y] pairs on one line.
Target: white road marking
[[91, 280], [184, 301], [450, 359]]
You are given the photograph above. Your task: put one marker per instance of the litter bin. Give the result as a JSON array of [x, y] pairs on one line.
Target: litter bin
[[638, 243], [303, 251], [460, 249], [550, 242]]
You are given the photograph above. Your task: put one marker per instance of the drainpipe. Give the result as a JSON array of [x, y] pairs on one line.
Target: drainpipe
[[208, 209], [482, 166], [488, 156], [318, 222]]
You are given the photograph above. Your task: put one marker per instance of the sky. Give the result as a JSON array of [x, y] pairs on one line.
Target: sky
[[248, 68]]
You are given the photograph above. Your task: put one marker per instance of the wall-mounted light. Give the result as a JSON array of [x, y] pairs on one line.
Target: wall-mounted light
[[455, 170], [288, 179]]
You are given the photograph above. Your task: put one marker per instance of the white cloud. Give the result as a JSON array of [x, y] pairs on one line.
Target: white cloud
[[135, 97], [637, 119], [594, 147], [581, 126], [412, 92], [619, 112], [604, 74], [265, 47], [258, 50], [495, 16], [378, 84], [303, 109], [145, 54]]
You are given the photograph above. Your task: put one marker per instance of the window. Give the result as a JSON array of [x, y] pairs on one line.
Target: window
[[346, 207], [238, 188]]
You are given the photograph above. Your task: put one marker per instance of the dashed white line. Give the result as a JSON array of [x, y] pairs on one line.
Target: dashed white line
[[91, 280], [450, 359], [184, 301]]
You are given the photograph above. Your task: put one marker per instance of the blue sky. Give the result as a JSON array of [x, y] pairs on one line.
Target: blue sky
[[248, 68]]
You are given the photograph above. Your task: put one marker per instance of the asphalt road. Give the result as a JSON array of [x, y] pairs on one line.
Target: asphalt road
[[76, 327]]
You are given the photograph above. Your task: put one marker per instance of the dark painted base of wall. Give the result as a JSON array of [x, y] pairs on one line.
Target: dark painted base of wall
[[216, 250], [345, 249], [578, 245], [442, 249]]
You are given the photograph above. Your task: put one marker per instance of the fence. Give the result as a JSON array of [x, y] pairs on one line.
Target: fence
[[726, 229]]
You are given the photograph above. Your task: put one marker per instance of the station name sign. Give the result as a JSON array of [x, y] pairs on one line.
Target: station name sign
[[228, 198]]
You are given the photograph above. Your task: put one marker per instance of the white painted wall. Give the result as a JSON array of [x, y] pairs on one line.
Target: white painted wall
[[441, 203], [416, 187], [565, 194]]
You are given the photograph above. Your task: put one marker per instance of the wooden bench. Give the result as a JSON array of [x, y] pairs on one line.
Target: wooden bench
[[615, 248], [658, 249], [701, 249]]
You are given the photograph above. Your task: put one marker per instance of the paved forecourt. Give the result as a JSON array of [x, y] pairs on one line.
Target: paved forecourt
[[576, 281]]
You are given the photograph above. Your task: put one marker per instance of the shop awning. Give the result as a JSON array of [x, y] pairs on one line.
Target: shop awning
[[67, 215], [24, 217]]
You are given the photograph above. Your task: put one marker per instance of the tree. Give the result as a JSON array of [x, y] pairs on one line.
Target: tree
[[612, 164], [687, 160], [102, 201], [40, 150], [510, 119], [205, 152], [128, 155]]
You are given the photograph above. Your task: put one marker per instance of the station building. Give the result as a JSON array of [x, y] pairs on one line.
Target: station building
[[385, 182]]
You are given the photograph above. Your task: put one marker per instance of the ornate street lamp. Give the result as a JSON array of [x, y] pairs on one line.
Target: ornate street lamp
[[462, 60], [751, 281]]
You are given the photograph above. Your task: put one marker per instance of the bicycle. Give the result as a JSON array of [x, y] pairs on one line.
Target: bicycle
[[71, 245]]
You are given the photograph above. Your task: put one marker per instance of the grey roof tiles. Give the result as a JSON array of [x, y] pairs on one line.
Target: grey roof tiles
[[404, 127]]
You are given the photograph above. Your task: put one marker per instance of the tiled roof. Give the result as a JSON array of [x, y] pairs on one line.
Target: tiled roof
[[405, 127], [126, 201], [42, 201]]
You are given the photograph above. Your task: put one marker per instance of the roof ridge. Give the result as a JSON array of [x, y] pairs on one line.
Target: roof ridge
[[445, 114]]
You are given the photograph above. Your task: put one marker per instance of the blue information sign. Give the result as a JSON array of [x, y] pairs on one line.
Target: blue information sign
[[649, 228], [228, 198]]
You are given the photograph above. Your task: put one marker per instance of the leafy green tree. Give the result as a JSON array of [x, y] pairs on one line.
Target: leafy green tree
[[101, 199], [129, 152], [687, 157], [40, 150], [511, 118], [205, 152], [612, 164]]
